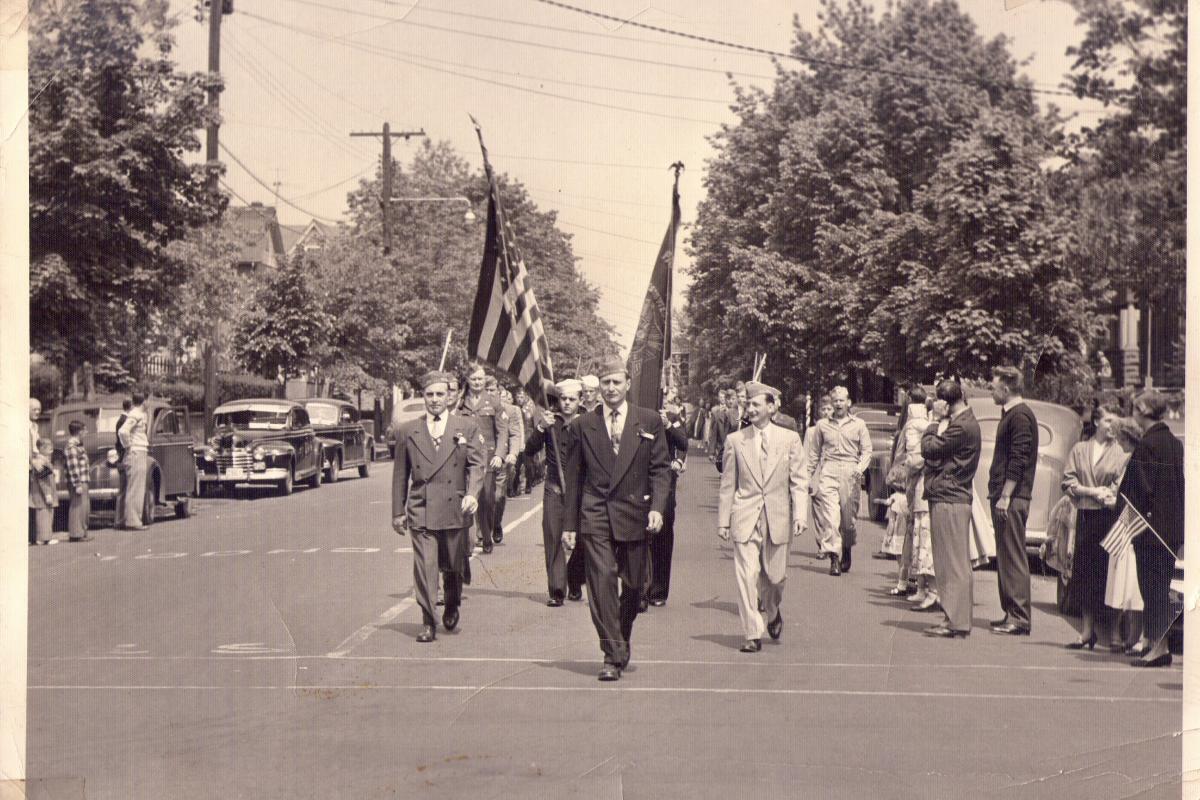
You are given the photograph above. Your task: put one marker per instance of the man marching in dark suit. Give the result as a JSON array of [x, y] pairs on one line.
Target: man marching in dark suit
[[618, 476], [1010, 489], [436, 480], [662, 545]]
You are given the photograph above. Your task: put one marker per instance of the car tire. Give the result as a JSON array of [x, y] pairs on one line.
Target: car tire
[[148, 503], [183, 508], [364, 469], [286, 485], [335, 466], [314, 480], [369, 450]]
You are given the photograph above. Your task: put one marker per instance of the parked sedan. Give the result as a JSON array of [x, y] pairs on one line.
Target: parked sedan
[[171, 471], [261, 441], [405, 411], [1059, 429], [347, 443]]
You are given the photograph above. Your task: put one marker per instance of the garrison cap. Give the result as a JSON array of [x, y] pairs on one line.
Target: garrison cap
[[611, 366], [432, 377], [754, 388]]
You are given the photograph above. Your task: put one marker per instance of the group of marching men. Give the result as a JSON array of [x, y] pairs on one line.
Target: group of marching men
[[608, 506]]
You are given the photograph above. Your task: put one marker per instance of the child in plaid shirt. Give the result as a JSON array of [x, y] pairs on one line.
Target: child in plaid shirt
[[77, 483], [43, 496]]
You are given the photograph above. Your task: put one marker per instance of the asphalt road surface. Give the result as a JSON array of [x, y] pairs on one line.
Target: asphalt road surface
[[265, 648]]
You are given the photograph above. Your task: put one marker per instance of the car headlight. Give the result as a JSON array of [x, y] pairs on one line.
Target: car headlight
[[208, 454], [258, 455], [112, 457]]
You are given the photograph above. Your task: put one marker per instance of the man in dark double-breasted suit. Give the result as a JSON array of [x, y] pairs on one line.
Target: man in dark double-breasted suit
[[436, 481], [618, 476]]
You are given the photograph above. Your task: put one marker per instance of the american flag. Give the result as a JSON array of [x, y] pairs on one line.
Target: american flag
[[1128, 525], [506, 326]]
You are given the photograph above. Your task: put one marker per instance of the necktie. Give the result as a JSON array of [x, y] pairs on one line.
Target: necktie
[[762, 438], [616, 437], [437, 440]]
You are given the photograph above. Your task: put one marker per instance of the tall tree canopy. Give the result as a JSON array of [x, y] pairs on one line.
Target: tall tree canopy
[[110, 121], [880, 219], [391, 313]]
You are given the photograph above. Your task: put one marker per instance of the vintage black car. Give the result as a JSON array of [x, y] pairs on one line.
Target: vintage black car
[[348, 442], [261, 441], [171, 472]]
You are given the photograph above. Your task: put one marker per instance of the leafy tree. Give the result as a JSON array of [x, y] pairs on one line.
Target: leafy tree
[[285, 329], [879, 220], [111, 120], [391, 316]]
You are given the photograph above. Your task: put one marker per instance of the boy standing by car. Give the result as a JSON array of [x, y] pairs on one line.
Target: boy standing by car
[[80, 506]]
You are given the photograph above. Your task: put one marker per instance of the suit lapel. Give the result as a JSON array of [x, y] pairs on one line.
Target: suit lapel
[[595, 432], [424, 441], [628, 447], [443, 453], [746, 441]]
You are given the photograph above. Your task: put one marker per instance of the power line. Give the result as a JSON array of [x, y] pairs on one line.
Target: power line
[[360, 46], [606, 233], [263, 184], [332, 186], [976, 82], [528, 43], [572, 161]]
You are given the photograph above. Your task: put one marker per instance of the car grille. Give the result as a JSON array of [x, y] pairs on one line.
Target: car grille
[[237, 458]]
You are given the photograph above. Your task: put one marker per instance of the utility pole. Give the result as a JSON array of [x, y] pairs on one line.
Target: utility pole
[[385, 197], [216, 10]]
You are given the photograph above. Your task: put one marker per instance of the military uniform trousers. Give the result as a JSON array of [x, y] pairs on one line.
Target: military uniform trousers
[[661, 547], [616, 578], [433, 551], [761, 569], [835, 506], [563, 573], [485, 515]]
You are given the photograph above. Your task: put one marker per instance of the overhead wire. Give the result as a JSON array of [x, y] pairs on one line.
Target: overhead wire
[[264, 184], [582, 101], [811, 60]]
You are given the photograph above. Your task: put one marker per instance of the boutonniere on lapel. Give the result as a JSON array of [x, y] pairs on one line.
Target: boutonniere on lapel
[[459, 438], [645, 434]]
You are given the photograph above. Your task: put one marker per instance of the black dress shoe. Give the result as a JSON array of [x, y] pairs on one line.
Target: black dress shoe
[[643, 605], [775, 626], [942, 632], [845, 559], [487, 548], [1011, 629], [450, 618], [498, 537], [996, 623], [834, 567], [658, 602], [1162, 661], [427, 634], [610, 672], [575, 595], [554, 602], [751, 646]]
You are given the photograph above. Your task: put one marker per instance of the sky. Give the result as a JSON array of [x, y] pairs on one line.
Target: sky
[[587, 113]]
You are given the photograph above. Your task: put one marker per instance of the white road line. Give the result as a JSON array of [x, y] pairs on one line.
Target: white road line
[[362, 634], [512, 526], [624, 688], [644, 663]]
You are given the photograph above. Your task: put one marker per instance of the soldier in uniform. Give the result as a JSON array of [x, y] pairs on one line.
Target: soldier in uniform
[[484, 407], [437, 478], [564, 567], [507, 475], [662, 545]]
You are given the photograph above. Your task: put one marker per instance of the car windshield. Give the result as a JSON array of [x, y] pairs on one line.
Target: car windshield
[[269, 418], [322, 414], [95, 420]]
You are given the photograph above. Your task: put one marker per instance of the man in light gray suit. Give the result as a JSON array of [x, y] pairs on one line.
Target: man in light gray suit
[[761, 506]]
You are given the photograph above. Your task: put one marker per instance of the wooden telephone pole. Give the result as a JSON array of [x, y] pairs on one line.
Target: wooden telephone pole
[[212, 349], [385, 198]]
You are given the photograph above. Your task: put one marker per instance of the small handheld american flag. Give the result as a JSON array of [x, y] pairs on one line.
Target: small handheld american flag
[[1128, 525]]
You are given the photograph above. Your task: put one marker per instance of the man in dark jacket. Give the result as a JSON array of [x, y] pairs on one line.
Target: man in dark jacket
[[618, 476], [1010, 488], [951, 458], [663, 543], [1153, 485]]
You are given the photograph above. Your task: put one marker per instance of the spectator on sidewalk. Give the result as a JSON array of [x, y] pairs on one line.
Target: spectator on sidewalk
[[78, 470], [43, 495], [134, 438], [122, 473]]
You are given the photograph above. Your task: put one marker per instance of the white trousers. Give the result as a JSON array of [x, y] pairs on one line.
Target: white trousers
[[761, 569]]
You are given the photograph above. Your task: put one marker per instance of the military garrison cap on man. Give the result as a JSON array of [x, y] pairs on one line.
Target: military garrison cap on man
[[754, 388], [432, 377], [611, 366]]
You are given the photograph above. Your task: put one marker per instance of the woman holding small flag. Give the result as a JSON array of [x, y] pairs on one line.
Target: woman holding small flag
[[1152, 492], [1093, 473]]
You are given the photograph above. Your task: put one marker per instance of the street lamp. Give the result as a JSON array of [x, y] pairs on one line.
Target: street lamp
[[468, 217]]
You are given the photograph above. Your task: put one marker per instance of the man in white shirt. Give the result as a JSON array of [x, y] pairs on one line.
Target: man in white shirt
[[761, 506], [842, 446], [135, 438]]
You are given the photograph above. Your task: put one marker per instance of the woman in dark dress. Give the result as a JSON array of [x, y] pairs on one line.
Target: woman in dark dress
[[1153, 485], [1093, 473]]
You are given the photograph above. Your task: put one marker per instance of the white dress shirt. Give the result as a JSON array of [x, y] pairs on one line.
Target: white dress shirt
[[436, 429], [616, 428]]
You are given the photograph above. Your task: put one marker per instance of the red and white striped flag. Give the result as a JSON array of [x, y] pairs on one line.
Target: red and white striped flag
[[506, 326], [1128, 525]]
